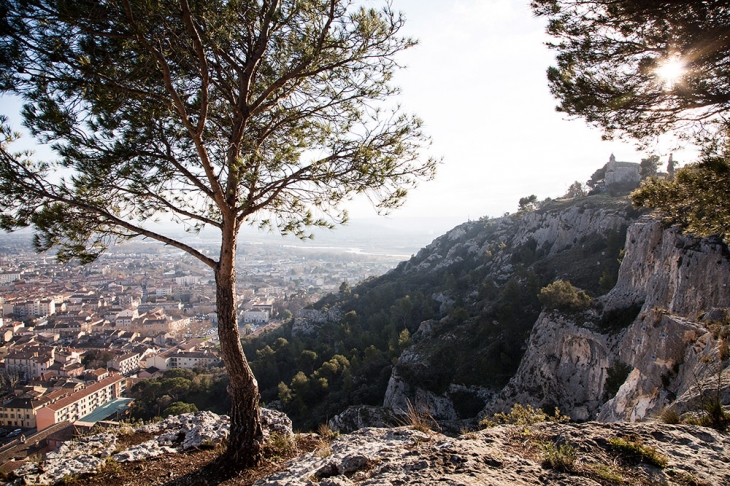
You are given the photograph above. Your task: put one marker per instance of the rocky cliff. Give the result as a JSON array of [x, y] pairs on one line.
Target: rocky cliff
[[660, 336], [686, 276], [458, 329], [570, 241]]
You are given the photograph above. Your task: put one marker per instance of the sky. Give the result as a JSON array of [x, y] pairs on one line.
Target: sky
[[477, 79]]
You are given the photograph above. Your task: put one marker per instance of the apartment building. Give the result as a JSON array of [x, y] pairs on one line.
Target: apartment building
[[126, 364], [30, 308], [82, 402], [7, 277], [126, 317], [255, 317], [29, 362], [22, 411], [188, 280], [192, 360]]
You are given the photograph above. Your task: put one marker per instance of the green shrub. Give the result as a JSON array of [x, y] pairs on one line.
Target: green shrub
[[558, 457], [523, 415], [179, 408], [561, 295], [634, 448]]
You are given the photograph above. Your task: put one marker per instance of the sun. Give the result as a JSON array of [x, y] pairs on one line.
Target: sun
[[671, 71]]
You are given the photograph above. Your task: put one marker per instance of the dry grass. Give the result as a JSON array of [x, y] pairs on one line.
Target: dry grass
[[420, 420]]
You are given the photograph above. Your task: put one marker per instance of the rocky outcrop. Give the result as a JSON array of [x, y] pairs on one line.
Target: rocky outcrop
[[508, 455], [554, 231], [662, 267], [174, 434], [669, 357], [444, 407], [308, 321], [565, 366], [669, 348], [503, 455], [362, 416], [550, 231], [675, 286], [72, 458]]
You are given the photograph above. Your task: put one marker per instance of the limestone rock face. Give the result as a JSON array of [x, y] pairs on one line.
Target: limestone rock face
[[443, 407], [670, 357], [502, 456], [552, 231], [362, 416], [308, 321], [559, 230], [565, 366], [679, 273], [669, 351], [678, 279]]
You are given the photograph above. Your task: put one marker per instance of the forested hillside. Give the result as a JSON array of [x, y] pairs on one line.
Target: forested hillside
[[464, 305]]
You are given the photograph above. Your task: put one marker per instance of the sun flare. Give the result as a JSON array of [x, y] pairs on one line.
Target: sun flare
[[671, 71]]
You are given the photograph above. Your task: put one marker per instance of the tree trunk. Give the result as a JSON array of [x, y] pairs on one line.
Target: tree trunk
[[246, 440]]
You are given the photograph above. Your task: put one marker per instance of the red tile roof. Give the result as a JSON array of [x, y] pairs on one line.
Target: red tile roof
[[75, 397]]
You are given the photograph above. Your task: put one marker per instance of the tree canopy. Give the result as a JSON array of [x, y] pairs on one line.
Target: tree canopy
[[186, 108], [213, 113], [640, 68], [697, 197]]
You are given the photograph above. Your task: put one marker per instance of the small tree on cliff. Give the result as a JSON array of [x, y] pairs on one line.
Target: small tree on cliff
[[213, 112]]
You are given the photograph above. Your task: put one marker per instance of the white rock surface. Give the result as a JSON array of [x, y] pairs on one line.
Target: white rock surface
[[565, 366], [74, 457], [174, 434], [676, 280], [504, 456], [662, 267]]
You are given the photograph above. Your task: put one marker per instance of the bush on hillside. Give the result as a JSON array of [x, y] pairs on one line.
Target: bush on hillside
[[561, 295]]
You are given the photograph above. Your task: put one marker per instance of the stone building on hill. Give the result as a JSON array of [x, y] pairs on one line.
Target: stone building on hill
[[622, 175]]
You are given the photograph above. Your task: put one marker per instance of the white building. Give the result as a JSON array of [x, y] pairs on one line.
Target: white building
[[163, 291], [7, 277], [126, 317], [187, 280], [255, 317], [127, 364]]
